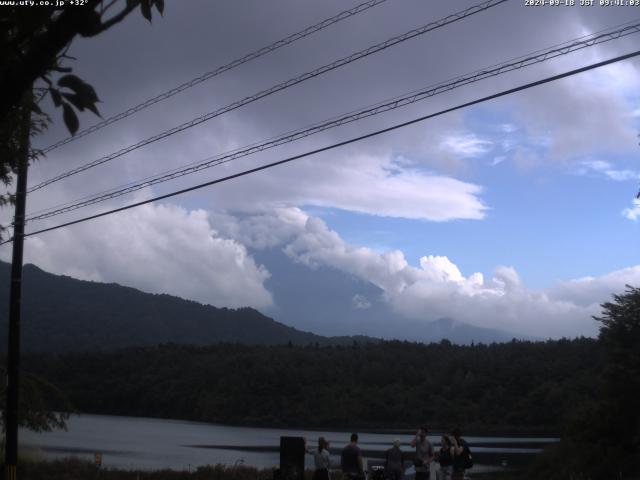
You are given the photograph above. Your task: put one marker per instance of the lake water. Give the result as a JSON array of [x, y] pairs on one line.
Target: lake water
[[147, 443]]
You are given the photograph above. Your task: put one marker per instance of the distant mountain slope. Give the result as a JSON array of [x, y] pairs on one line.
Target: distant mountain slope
[[61, 313], [329, 301]]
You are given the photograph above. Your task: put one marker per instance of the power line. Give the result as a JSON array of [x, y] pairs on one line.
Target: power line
[[605, 31], [343, 143], [388, 105], [281, 86], [224, 68]]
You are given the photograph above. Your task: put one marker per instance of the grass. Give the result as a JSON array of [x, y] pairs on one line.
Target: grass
[[76, 469]]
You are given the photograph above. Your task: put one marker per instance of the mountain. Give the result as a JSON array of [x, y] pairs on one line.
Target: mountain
[[329, 301], [60, 313]]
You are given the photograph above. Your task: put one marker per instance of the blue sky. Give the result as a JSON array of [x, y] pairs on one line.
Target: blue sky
[[550, 223]]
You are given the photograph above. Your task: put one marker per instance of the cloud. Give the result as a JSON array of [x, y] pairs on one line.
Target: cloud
[[633, 213], [563, 113], [467, 146], [588, 291], [360, 302], [370, 184], [507, 128], [406, 174], [438, 288], [261, 230], [603, 168], [158, 249]]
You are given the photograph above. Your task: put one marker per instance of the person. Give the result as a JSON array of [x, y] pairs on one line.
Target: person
[[351, 460], [445, 458], [424, 454], [321, 460], [460, 454], [394, 462]]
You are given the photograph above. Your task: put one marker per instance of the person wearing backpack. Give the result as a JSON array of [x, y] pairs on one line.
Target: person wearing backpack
[[445, 458], [462, 459]]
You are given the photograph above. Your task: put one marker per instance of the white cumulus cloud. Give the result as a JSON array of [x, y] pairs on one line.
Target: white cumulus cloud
[[438, 288], [633, 213], [158, 249]]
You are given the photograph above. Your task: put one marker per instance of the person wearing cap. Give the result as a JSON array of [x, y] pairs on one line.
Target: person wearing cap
[[394, 462], [424, 454]]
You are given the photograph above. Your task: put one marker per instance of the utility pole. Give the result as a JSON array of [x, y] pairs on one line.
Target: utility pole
[[13, 357]]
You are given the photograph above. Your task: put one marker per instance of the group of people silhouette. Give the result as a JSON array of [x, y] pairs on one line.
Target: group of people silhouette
[[453, 458]]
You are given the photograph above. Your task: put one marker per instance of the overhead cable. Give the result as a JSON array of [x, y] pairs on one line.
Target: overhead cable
[[213, 73], [391, 104], [281, 86], [340, 144]]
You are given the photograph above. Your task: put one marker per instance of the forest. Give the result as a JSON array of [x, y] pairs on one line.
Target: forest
[[516, 386], [585, 390]]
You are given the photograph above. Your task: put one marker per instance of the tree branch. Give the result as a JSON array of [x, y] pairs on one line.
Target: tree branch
[[44, 49], [115, 19]]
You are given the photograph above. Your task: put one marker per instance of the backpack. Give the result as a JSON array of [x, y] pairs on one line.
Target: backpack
[[464, 460]]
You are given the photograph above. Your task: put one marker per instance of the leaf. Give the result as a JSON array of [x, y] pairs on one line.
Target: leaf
[[160, 6], [145, 8], [72, 82], [81, 103], [79, 86], [70, 118], [94, 109], [75, 99], [91, 24], [36, 108], [55, 96]]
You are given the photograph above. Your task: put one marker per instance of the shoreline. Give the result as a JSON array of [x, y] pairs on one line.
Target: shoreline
[[435, 430]]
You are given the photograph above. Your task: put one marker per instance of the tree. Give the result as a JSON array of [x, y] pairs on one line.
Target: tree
[[24, 121], [43, 406], [620, 338], [34, 43], [33, 48], [602, 439]]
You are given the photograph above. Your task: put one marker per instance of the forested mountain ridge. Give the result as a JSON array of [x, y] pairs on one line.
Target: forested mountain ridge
[[60, 313]]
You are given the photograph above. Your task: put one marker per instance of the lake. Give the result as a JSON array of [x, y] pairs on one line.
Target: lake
[[149, 443]]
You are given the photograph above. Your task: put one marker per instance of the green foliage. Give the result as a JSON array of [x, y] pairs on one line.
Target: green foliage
[[33, 46], [36, 399], [602, 440], [620, 338], [518, 386]]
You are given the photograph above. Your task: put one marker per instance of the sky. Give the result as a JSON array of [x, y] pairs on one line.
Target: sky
[[517, 213]]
